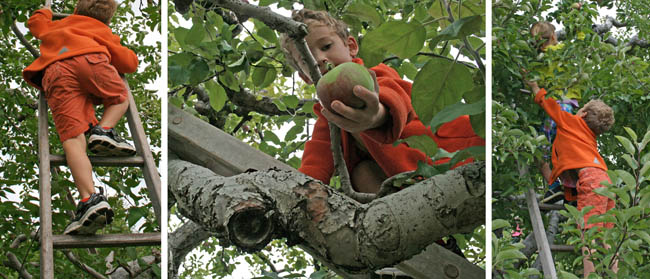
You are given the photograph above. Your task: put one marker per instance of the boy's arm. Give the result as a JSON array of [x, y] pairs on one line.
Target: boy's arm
[[39, 22], [124, 59], [550, 105], [317, 160]]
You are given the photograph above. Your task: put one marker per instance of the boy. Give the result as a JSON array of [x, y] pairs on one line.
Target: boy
[[575, 155], [545, 32], [79, 67], [369, 133]]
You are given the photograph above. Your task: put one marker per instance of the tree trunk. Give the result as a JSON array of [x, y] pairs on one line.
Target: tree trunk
[[251, 209]]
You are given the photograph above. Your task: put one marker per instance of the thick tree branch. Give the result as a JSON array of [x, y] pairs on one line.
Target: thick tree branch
[[251, 209], [24, 40], [182, 241]]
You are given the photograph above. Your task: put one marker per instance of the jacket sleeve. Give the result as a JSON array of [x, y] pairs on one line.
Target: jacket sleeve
[[317, 160], [552, 108], [394, 94], [124, 59], [39, 22]]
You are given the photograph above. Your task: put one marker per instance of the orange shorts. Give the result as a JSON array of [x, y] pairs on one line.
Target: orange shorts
[[589, 179], [74, 86]]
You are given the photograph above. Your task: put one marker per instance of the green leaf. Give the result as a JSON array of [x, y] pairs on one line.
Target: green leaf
[[603, 191], [438, 84], [270, 136], [401, 38], [263, 75], [510, 255], [364, 12], [228, 79], [267, 34], [566, 275], [643, 235], [423, 143], [199, 71], [628, 179], [630, 161], [475, 152], [644, 169], [461, 28], [217, 95], [196, 34], [291, 101], [631, 133], [478, 124], [645, 141], [627, 144], [454, 111], [499, 223]]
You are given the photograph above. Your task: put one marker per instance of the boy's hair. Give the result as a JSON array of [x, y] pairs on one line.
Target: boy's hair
[[542, 30], [600, 117], [102, 10], [310, 17]]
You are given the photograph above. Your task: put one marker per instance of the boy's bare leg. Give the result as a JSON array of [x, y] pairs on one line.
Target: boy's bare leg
[[546, 171], [367, 177], [79, 164], [113, 114]]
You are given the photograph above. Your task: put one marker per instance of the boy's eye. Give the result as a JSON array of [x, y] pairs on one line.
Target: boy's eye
[[326, 47]]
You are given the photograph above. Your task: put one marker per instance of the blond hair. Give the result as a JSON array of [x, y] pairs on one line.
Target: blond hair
[[102, 10], [311, 17], [600, 116], [544, 30]]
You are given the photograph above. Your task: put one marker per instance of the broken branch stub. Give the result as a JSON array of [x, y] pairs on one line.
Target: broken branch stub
[[251, 209]]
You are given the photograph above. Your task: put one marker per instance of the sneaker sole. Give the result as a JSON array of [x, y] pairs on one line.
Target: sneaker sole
[[94, 219], [104, 146]]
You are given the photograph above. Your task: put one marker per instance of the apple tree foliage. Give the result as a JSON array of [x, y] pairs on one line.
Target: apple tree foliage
[[597, 66], [19, 183], [235, 77]]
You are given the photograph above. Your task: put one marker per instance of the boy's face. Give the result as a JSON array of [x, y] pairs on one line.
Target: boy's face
[[326, 46]]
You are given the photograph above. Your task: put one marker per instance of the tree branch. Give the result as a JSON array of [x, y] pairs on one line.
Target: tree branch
[[182, 241], [601, 29], [84, 267], [24, 41], [14, 263], [251, 209]]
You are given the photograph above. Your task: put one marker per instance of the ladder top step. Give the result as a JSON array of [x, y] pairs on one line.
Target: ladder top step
[[549, 207], [131, 161], [105, 240], [562, 248]]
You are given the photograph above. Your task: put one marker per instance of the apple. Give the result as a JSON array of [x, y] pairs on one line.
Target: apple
[[337, 84], [576, 6]]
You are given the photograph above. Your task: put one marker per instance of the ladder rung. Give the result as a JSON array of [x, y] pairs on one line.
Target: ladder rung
[[131, 161], [562, 248], [105, 240], [548, 207]]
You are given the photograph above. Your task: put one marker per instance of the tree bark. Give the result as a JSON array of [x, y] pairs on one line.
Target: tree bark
[[182, 241], [251, 209]]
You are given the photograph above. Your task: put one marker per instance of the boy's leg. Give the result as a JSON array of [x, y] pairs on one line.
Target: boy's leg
[[79, 164], [113, 114], [107, 87]]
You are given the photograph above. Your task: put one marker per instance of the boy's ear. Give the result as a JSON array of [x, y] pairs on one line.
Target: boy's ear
[[353, 46], [304, 78]]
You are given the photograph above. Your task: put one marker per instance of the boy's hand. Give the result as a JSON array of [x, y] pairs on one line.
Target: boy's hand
[[48, 7], [358, 120], [533, 86]]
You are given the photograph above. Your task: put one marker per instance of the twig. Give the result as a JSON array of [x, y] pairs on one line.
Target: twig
[[24, 41], [468, 46], [267, 261], [82, 266]]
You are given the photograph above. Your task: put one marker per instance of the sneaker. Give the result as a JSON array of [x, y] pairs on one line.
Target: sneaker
[[103, 142], [90, 216]]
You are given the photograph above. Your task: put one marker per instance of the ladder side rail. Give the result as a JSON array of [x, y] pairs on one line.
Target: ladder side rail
[[151, 176], [45, 191], [548, 266]]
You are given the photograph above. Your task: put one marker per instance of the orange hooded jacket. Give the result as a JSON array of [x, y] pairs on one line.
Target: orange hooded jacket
[[575, 144], [72, 36], [395, 94]]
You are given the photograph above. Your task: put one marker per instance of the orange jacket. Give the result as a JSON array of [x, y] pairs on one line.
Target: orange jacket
[[72, 36], [575, 144], [395, 94]]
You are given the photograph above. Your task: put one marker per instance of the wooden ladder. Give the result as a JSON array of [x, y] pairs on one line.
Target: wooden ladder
[[543, 245], [143, 159]]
